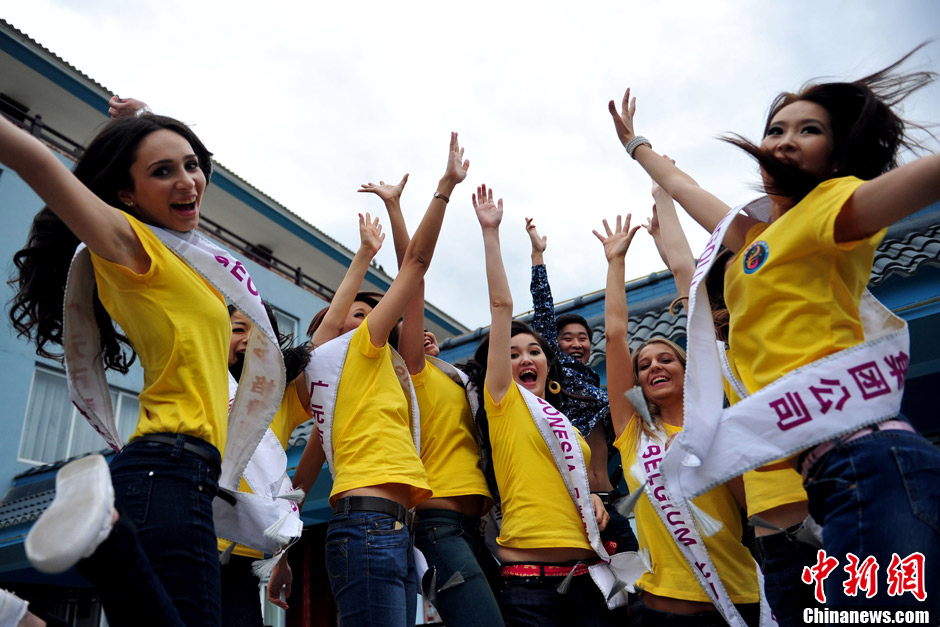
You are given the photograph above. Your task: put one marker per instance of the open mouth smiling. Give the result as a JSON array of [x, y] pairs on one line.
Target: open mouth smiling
[[185, 206], [528, 376]]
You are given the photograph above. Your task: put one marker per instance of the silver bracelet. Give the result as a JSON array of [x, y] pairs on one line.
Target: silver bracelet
[[636, 142], [144, 109]]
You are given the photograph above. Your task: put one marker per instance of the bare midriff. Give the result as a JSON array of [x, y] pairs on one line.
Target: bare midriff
[[783, 516], [398, 492], [675, 606], [553, 555], [469, 505]]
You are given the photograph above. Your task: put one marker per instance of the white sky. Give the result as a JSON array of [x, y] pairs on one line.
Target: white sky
[[306, 100]]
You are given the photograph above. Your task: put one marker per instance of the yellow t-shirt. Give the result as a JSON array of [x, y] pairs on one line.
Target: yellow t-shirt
[[290, 414], [793, 292], [372, 440], [179, 326], [448, 445], [537, 509], [671, 575]]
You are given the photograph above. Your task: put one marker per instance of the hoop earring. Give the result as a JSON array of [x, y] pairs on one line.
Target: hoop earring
[[554, 387]]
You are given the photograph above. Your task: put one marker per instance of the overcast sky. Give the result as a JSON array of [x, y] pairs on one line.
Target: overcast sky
[[306, 100]]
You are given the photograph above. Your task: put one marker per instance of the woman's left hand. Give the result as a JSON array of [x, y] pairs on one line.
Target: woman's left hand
[[126, 107], [457, 167], [600, 512]]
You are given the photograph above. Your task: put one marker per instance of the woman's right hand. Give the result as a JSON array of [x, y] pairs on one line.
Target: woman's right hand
[[370, 234], [652, 224], [385, 191], [617, 241], [489, 213], [623, 121]]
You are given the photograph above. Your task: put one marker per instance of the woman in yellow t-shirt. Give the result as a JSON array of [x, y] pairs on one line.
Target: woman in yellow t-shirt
[[152, 560], [658, 367], [377, 474], [461, 571], [829, 162], [542, 539]]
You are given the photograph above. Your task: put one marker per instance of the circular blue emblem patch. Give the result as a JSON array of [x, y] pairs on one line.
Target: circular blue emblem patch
[[755, 256]]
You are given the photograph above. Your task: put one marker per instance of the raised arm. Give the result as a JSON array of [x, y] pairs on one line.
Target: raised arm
[[498, 360], [539, 242], [420, 249], [543, 306], [102, 228], [705, 208], [619, 365], [885, 199], [371, 238], [391, 196], [411, 338], [675, 247]]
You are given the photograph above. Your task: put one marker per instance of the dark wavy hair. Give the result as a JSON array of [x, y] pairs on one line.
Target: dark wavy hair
[[867, 133], [475, 369], [42, 265], [296, 358]]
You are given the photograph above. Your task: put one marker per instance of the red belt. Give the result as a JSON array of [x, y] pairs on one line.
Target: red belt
[[815, 454], [542, 570]]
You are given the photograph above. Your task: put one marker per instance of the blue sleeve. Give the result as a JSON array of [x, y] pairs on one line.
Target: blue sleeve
[[543, 319]]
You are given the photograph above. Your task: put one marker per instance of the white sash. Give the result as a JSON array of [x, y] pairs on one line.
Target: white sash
[[679, 521], [324, 372], [252, 408], [562, 441], [266, 475], [832, 396]]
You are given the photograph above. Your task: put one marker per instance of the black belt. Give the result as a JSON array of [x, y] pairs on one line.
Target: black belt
[[379, 505], [608, 498], [208, 456]]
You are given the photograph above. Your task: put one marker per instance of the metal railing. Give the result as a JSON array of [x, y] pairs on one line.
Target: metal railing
[[34, 125], [264, 257]]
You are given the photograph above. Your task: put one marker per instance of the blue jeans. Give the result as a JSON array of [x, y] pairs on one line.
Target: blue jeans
[[535, 602], [782, 560], [241, 600], [460, 567], [160, 564], [874, 496], [371, 566]]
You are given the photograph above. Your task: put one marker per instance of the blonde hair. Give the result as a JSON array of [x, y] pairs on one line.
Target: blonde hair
[[640, 426]]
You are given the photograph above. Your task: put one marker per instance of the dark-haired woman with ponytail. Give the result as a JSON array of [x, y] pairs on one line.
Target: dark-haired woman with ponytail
[[143, 533], [800, 319]]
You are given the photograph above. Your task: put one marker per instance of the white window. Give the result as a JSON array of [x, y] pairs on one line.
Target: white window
[[286, 323], [54, 430]]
